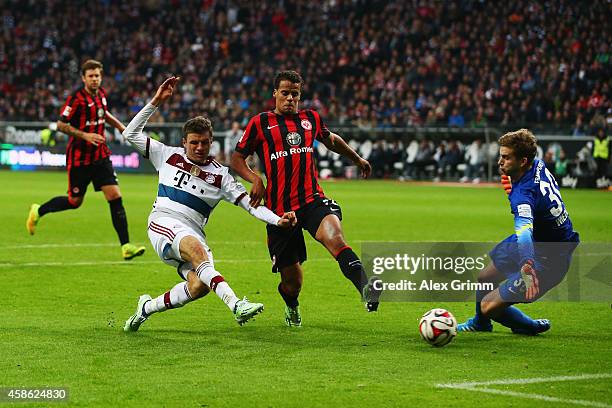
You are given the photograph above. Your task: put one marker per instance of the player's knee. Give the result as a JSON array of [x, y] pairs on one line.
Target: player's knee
[[198, 289], [488, 274], [334, 243], [197, 254], [486, 308], [113, 196], [75, 202], [192, 250]]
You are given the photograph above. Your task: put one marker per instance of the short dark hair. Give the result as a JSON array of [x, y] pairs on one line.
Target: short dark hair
[[199, 124], [522, 142], [91, 64], [291, 76]]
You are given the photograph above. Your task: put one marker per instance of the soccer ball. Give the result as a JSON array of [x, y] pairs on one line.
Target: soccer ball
[[438, 327]]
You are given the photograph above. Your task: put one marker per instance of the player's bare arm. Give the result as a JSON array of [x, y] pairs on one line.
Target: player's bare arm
[[114, 122], [68, 129], [240, 166], [336, 144]]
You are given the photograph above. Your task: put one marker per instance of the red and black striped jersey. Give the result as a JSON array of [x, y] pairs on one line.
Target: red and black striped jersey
[[86, 113], [285, 145]]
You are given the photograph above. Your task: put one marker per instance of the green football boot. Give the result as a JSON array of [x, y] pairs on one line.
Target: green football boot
[[33, 218], [245, 310], [130, 251]]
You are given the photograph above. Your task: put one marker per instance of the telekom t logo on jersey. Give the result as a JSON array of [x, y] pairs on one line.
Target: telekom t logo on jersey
[[181, 179]]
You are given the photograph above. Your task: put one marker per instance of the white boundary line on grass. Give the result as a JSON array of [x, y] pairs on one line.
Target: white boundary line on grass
[[105, 244], [129, 263], [482, 387]]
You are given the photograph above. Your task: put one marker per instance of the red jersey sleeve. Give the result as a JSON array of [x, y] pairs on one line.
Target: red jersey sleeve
[[69, 109], [322, 130], [250, 140]]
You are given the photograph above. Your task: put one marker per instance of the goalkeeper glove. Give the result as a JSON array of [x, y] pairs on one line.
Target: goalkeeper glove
[[506, 183], [532, 285]]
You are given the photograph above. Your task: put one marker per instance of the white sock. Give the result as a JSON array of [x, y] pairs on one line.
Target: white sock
[[214, 280], [178, 296]]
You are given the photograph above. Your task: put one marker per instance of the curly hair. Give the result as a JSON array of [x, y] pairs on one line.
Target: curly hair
[[522, 142], [291, 76]]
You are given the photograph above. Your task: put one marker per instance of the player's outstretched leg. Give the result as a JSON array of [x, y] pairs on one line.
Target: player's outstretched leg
[[33, 218], [520, 323], [133, 323], [181, 294], [330, 234], [55, 204], [352, 269], [245, 310], [478, 323], [371, 294]]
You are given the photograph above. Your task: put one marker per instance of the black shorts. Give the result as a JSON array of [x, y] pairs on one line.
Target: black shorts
[[101, 173], [287, 246]]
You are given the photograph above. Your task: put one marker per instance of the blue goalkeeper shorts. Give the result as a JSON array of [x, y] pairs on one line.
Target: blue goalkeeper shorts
[[552, 261]]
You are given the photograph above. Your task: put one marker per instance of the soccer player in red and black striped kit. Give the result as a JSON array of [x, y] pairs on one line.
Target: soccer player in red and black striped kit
[[284, 141], [88, 157]]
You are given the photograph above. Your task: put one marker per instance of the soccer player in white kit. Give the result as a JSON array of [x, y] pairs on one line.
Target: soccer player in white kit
[[190, 186]]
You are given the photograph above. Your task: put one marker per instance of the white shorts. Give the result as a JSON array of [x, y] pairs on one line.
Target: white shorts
[[166, 234]]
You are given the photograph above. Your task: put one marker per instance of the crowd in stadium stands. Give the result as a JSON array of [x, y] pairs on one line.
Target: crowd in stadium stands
[[371, 64], [448, 160]]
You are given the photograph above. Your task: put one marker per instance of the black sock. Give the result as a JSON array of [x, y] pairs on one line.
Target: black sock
[[55, 204], [119, 220], [351, 268], [291, 301]]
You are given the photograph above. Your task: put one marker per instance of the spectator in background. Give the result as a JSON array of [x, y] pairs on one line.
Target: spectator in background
[[601, 152], [378, 159], [379, 73], [439, 156], [423, 159], [447, 165], [579, 128], [474, 158], [561, 165], [232, 136], [456, 119], [549, 161]]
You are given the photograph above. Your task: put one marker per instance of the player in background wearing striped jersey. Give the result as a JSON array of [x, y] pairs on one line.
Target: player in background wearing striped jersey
[[284, 141], [191, 184], [83, 118]]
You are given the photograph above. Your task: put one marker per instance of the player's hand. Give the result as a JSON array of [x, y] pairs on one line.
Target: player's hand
[[165, 90], [506, 183], [530, 278], [365, 167], [287, 220], [93, 138], [257, 192]]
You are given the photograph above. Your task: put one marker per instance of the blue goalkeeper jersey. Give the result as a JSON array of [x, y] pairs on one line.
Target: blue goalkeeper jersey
[[539, 212]]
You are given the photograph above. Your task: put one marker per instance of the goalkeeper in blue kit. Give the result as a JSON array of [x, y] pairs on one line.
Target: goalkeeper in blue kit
[[537, 256]]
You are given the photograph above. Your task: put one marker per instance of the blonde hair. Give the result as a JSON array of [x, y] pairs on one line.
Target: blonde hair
[[522, 142]]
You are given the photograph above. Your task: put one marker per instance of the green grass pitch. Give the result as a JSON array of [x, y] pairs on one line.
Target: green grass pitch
[[66, 293]]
